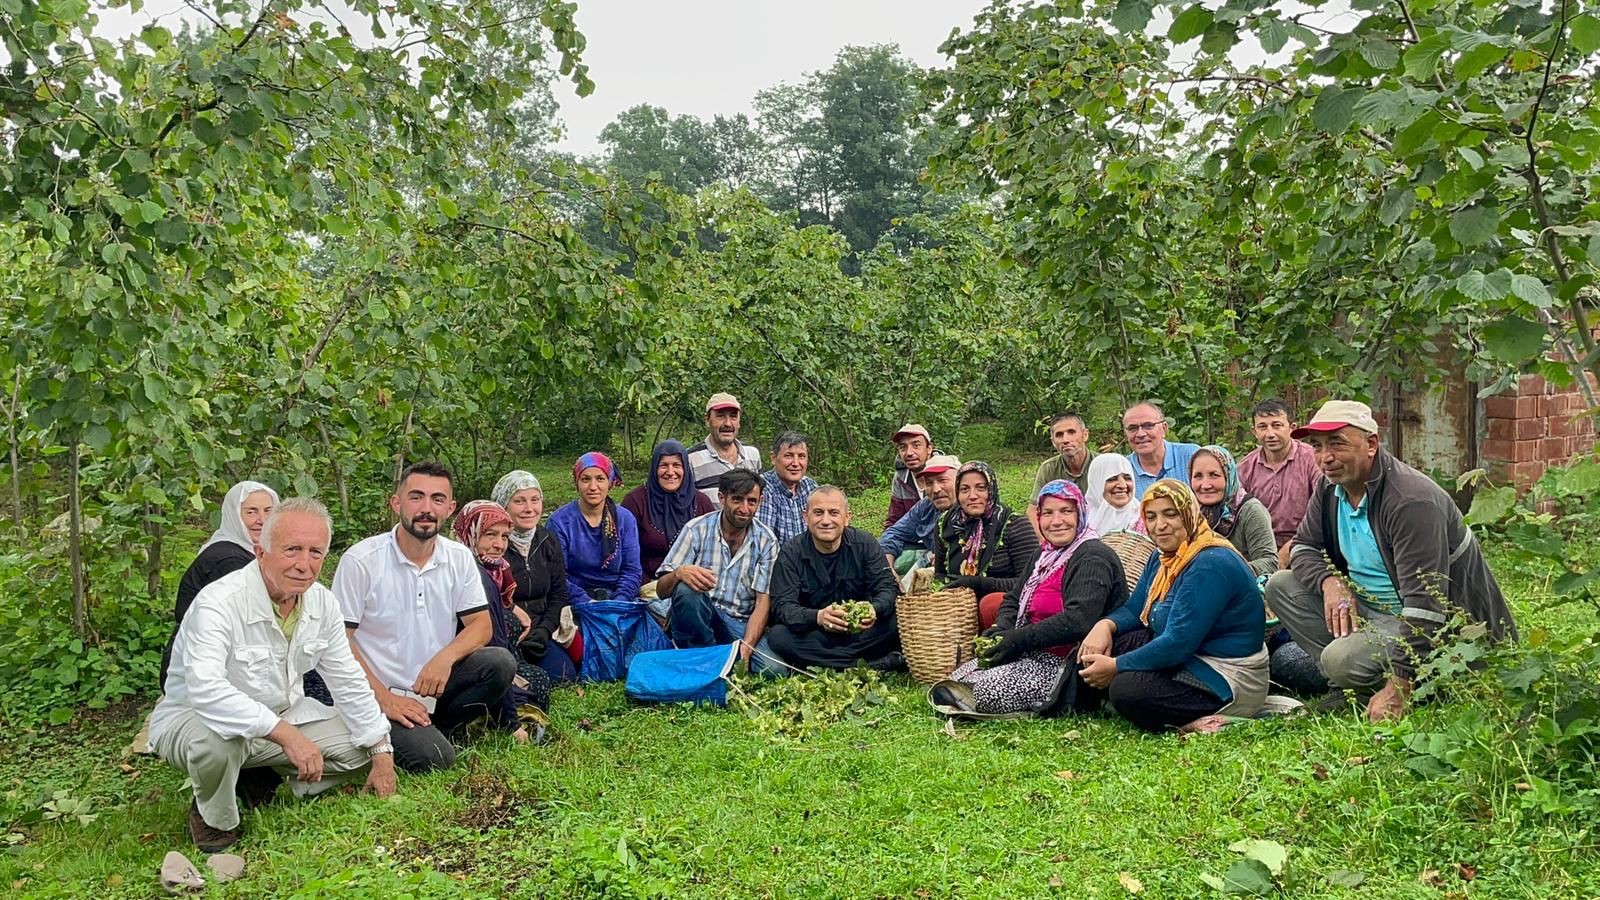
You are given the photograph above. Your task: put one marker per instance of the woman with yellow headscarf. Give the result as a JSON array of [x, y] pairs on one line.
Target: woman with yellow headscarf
[[1186, 649]]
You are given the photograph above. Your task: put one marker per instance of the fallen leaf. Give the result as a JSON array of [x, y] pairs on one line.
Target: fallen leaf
[[1358, 760], [578, 689], [1072, 735], [147, 837], [126, 769], [1055, 881], [114, 880], [1067, 775], [1430, 877], [1129, 883], [585, 725], [1346, 878], [1523, 786], [1319, 772], [1466, 872], [950, 728], [776, 849], [19, 884]]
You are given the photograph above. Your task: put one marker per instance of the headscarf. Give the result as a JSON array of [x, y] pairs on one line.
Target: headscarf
[[973, 541], [594, 459], [470, 524], [1201, 537], [1103, 517], [1053, 559], [511, 484], [1222, 516], [230, 529], [669, 511]]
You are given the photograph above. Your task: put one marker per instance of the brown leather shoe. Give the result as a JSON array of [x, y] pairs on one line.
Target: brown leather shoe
[[256, 787], [208, 839]]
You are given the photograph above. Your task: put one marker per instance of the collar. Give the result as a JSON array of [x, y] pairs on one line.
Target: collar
[[394, 542], [258, 605], [1344, 499]]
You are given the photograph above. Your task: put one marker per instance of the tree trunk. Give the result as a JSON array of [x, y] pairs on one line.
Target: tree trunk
[[80, 608], [338, 470], [16, 466], [152, 558]]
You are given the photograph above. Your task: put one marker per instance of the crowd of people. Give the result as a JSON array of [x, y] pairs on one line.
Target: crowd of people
[[1173, 586]]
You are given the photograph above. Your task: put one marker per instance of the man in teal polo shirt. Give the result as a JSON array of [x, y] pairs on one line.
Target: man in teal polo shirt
[[1153, 457], [1380, 562]]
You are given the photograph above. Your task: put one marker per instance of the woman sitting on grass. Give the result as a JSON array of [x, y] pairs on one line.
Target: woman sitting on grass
[[1231, 513], [1185, 650], [1073, 580], [980, 543], [1110, 498], [664, 504], [540, 572], [599, 539]]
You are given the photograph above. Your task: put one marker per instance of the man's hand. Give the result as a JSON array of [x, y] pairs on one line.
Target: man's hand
[[1389, 703], [1098, 669], [746, 650], [1283, 554], [403, 710], [889, 558], [1097, 642], [306, 756], [831, 618], [381, 779], [1338, 607], [697, 577], [522, 616], [430, 681]]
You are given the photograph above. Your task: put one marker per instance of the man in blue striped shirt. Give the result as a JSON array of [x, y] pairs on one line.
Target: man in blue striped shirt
[[786, 487], [718, 572]]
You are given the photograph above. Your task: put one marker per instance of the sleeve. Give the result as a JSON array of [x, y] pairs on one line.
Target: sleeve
[[1126, 616], [352, 585], [556, 598], [1196, 603], [570, 550], [681, 551], [1087, 588], [1006, 570], [352, 693], [1421, 553], [205, 644], [761, 567], [903, 532], [898, 507], [1308, 555], [474, 591], [881, 586], [786, 606], [1040, 480], [628, 552], [1257, 544]]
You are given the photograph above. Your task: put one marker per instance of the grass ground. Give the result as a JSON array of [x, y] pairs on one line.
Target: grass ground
[[630, 800]]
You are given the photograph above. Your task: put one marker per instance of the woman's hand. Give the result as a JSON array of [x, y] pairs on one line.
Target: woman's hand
[[1098, 641], [1009, 648], [522, 616], [1097, 669]]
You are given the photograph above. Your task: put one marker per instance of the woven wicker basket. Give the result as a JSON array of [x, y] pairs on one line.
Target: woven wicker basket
[[1134, 550], [936, 631]]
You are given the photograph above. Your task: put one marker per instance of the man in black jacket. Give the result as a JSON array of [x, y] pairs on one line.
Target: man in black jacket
[[829, 565]]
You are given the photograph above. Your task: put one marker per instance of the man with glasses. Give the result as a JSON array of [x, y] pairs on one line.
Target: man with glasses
[[1153, 457]]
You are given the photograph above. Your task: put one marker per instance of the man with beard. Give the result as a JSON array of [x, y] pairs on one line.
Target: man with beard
[[403, 593], [908, 542], [816, 575], [721, 452], [718, 572]]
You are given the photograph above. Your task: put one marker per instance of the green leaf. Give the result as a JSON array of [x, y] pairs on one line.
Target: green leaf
[[154, 388], [155, 37], [1580, 480], [1379, 53], [1272, 34], [1132, 16], [1190, 24], [1476, 61], [1585, 32], [151, 211], [1513, 339], [1474, 225], [1530, 290], [1476, 285], [244, 122], [1380, 107], [1249, 877], [1490, 505], [98, 437], [1271, 854], [1335, 108], [1397, 204], [1574, 583], [1422, 58], [448, 207], [1346, 878]]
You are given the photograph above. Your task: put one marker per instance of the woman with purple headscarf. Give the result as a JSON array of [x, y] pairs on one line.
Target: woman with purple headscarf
[[1073, 581], [599, 539]]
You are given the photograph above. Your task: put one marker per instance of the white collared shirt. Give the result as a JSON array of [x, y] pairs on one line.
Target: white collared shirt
[[233, 667], [404, 615]]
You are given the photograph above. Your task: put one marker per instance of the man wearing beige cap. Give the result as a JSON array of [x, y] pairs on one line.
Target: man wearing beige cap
[[914, 531], [913, 447], [1380, 563], [721, 451]]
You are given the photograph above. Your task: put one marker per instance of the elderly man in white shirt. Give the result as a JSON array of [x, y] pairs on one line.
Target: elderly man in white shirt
[[235, 714], [403, 593]]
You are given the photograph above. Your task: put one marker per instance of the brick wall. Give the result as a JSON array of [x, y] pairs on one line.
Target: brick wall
[[1532, 426]]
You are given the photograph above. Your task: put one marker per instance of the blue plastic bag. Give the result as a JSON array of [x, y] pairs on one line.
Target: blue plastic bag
[[614, 632], [694, 675]]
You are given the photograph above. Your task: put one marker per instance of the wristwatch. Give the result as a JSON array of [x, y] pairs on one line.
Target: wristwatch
[[383, 746]]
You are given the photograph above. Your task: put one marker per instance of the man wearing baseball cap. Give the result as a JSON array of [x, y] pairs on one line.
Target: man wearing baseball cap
[[913, 447], [721, 451], [1379, 564], [914, 531]]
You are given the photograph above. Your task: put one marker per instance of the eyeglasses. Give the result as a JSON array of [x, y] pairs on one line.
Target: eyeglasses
[[1136, 427]]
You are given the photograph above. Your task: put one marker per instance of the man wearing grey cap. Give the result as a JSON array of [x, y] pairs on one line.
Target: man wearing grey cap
[[1380, 562], [721, 451]]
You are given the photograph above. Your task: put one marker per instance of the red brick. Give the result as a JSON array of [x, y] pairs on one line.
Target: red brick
[[1526, 451], [1524, 474], [1561, 426], [1555, 449], [1529, 429], [1499, 451], [1502, 429], [1500, 406], [1529, 407], [1531, 385]]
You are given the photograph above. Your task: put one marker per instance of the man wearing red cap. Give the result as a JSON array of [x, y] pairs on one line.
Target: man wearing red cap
[[915, 530], [1380, 562], [721, 451], [913, 447]]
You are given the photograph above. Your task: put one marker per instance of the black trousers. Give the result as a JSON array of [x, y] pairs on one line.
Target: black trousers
[[474, 690], [1152, 701], [830, 650]]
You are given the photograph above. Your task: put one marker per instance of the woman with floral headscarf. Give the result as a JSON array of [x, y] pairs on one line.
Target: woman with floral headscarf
[[540, 573], [1231, 513], [1186, 649], [485, 528], [1072, 580], [980, 543], [599, 539]]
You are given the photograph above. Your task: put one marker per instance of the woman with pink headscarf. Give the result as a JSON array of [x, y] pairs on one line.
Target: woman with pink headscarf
[[599, 539]]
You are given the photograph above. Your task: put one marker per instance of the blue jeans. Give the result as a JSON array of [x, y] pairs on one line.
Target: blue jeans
[[695, 621]]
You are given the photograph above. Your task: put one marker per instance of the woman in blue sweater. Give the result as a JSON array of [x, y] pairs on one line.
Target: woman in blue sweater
[[599, 539], [1186, 649]]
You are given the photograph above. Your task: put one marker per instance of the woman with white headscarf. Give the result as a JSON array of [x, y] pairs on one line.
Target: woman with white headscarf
[[231, 547], [1110, 495], [540, 571]]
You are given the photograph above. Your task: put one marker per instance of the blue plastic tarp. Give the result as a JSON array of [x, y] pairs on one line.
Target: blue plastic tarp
[[614, 632], [694, 675]]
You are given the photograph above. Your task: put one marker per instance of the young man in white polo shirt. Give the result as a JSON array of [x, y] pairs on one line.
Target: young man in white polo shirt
[[402, 593]]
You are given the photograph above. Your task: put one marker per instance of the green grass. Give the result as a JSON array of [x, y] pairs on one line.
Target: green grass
[[630, 800]]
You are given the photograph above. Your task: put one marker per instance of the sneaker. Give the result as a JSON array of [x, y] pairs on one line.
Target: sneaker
[[256, 787], [208, 839], [1339, 700], [894, 661]]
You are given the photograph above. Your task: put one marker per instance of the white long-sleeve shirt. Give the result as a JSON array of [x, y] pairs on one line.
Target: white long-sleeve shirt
[[232, 666]]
